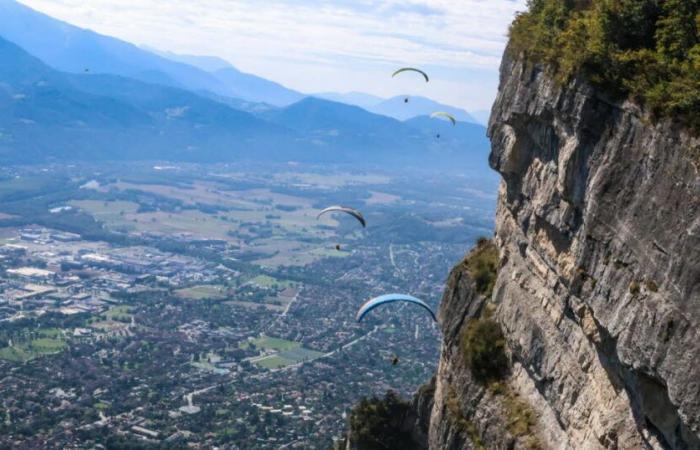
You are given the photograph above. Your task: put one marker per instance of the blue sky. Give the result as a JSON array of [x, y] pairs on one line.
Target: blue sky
[[322, 45]]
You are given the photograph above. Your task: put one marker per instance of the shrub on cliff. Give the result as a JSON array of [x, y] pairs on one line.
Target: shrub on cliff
[[376, 424], [646, 49], [483, 346], [483, 266]]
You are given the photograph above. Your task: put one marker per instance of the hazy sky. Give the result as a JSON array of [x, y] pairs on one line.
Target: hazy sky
[[322, 45]]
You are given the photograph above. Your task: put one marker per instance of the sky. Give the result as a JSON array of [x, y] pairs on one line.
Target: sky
[[322, 45]]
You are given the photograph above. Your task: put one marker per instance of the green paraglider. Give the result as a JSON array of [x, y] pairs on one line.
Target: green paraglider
[[444, 116], [411, 69]]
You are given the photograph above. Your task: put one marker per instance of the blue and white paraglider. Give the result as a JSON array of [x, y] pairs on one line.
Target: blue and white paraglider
[[391, 298]]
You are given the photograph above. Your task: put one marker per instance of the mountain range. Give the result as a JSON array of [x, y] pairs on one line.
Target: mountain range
[[72, 49], [401, 107], [70, 93]]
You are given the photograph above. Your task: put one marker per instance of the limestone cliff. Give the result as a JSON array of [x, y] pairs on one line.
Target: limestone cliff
[[598, 286]]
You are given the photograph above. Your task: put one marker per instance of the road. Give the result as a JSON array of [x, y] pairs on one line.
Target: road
[[329, 354]]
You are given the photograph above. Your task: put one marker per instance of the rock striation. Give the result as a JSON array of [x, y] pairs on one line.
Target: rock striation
[[598, 226], [598, 286]]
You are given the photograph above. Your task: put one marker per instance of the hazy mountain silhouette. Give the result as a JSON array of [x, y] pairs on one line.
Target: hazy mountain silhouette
[[351, 98], [50, 115], [46, 114], [398, 108], [72, 49]]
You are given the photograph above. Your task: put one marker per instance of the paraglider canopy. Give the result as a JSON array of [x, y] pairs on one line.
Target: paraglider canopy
[[353, 212], [411, 69], [391, 298], [444, 116]]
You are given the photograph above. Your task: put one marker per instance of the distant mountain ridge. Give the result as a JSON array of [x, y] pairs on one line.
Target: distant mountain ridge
[[110, 100], [206, 63], [68, 48], [72, 49], [401, 107], [398, 108], [47, 115], [242, 85], [351, 98]]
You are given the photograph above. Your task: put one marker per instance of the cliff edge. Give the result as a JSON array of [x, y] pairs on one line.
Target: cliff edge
[[598, 289]]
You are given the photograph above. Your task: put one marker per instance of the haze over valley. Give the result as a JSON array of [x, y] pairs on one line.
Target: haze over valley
[[164, 279]]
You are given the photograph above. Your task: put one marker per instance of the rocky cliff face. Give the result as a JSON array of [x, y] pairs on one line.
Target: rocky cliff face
[[599, 291], [598, 288]]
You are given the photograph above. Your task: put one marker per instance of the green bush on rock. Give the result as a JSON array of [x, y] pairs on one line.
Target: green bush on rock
[[482, 263], [645, 49], [375, 423], [483, 347]]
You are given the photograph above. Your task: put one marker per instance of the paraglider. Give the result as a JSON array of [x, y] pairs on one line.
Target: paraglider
[[411, 69], [353, 212], [391, 298], [444, 116]]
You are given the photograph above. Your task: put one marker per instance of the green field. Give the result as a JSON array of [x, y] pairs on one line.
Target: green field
[[269, 343], [330, 252], [34, 184], [288, 358], [101, 406], [274, 362], [122, 312], [16, 354], [109, 208], [215, 292], [300, 354], [289, 352], [114, 214], [34, 349], [50, 332]]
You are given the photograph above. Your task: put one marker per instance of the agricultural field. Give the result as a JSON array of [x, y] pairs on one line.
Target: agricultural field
[[189, 222], [280, 229], [107, 211], [270, 343], [228, 262], [381, 198], [120, 313], [23, 185], [330, 181], [329, 252], [288, 358], [303, 255], [203, 292], [47, 342], [287, 352]]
